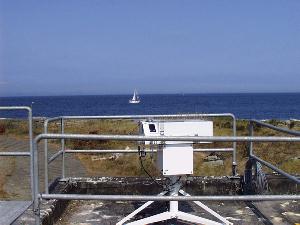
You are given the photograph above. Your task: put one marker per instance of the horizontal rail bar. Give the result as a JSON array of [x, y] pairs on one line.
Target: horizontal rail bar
[[167, 138], [55, 156], [280, 129], [296, 120], [295, 179], [106, 151], [15, 108], [170, 198], [150, 116], [52, 119], [147, 150], [213, 149], [15, 154]]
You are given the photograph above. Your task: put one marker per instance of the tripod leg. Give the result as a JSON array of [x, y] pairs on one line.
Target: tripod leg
[[141, 208], [207, 209], [153, 219], [195, 219]]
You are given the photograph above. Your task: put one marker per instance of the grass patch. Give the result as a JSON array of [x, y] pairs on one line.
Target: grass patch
[[126, 165], [7, 166]]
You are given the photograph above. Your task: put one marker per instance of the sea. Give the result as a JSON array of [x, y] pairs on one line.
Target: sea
[[242, 105]]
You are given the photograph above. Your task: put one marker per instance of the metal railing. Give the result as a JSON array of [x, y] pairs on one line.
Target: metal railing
[[63, 151], [33, 153], [267, 164], [38, 196], [23, 154]]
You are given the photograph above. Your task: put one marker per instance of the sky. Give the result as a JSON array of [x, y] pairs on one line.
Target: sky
[[78, 47]]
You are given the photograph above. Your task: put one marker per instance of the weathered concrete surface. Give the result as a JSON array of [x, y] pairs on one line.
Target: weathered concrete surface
[[281, 212], [11, 210], [107, 212]]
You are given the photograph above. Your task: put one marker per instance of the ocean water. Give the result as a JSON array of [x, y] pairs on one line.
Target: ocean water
[[244, 106]]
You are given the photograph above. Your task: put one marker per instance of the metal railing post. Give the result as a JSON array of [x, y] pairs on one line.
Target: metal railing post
[[46, 159], [31, 150], [36, 200], [63, 147], [250, 144], [234, 161]]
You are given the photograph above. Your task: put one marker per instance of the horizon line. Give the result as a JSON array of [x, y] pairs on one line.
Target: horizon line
[[177, 93]]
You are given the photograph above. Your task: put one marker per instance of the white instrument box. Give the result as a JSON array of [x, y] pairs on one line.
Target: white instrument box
[[175, 157]]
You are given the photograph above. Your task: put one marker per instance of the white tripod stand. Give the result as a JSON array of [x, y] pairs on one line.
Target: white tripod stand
[[173, 211]]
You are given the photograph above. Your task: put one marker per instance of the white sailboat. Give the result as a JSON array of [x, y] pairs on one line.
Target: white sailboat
[[135, 98]]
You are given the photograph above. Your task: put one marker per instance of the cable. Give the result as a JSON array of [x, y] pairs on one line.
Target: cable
[[149, 175], [142, 165], [174, 182]]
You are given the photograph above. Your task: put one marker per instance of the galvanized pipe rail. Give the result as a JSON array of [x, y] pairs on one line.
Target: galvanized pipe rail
[[23, 154], [170, 198], [146, 150], [55, 156], [267, 164], [168, 138], [28, 109], [15, 154], [166, 198], [250, 139], [62, 151], [38, 196], [272, 127]]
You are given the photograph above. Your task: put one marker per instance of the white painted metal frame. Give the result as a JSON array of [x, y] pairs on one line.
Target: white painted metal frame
[[173, 212]]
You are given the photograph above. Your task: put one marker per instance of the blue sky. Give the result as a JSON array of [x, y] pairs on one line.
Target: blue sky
[[64, 47]]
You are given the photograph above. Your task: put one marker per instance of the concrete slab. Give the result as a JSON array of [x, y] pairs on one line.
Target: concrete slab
[[107, 213], [60, 212], [11, 210], [280, 212]]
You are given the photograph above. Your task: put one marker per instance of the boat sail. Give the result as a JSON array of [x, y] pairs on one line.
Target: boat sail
[[135, 98]]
